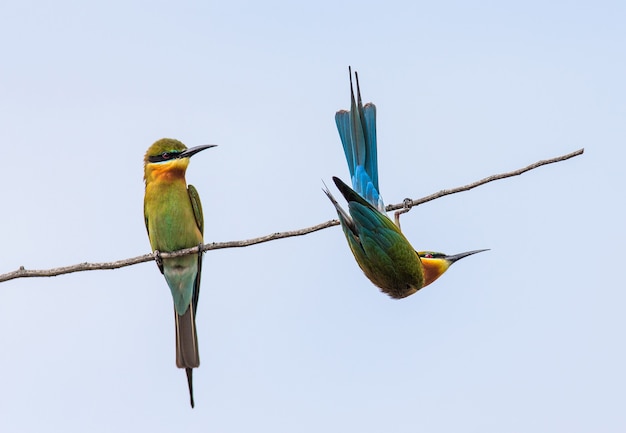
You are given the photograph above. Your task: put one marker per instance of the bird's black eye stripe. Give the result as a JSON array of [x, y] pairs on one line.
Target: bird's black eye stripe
[[165, 156], [431, 255]]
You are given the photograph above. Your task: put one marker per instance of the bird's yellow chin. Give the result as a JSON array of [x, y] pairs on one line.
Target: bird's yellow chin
[[433, 269], [175, 168]]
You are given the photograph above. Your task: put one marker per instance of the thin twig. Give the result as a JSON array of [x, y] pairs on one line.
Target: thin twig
[[407, 204], [412, 203]]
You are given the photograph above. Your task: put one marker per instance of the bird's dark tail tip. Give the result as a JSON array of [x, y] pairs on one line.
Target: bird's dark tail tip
[[190, 383]]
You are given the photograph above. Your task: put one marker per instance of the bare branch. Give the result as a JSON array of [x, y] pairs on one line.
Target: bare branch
[[408, 203], [405, 206], [53, 272]]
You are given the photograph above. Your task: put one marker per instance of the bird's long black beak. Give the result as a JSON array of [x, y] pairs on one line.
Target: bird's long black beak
[[191, 152], [457, 257]]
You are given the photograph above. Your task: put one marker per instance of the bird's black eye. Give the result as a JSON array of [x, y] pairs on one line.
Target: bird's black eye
[[165, 155], [428, 256]]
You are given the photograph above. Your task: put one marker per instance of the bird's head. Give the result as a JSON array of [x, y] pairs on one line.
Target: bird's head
[[435, 264], [169, 156]]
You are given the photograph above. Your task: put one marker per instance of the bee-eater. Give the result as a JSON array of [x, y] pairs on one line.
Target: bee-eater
[[379, 247], [174, 221]]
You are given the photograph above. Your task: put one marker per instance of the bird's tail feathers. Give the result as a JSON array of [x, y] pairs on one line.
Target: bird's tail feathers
[[187, 355], [357, 130], [186, 340], [190, 384]]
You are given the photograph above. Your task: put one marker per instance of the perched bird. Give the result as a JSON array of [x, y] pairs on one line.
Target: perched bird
[[174, 221], [381, 250]]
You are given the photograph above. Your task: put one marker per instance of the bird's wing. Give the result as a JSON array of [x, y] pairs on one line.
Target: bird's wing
[[375, 225], [387, 251], [196, 206], [145, 216], [196, 290], [364, 216], [344, 217]]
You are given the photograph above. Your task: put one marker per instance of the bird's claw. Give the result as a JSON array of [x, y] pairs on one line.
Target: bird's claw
[[407, 204], [158, 259], [200, 245]]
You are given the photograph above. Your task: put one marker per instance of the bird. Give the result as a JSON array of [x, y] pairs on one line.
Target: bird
[[379, 247], [174, 221]]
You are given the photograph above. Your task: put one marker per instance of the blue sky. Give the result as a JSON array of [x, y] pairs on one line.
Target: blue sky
[[293, 338]]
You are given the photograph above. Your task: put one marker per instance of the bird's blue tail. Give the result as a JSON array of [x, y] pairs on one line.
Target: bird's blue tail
[[357, 130]]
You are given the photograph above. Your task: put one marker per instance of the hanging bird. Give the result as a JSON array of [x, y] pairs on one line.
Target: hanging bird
[[381, 250], [174, 221]]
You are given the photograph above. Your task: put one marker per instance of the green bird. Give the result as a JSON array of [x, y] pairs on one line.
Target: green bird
[[173, 216], [382, 252]]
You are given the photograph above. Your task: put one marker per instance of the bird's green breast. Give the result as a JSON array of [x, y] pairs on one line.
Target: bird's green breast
[[169, 216]]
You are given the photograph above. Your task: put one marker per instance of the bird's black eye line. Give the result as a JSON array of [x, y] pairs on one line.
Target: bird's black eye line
[[165, 156], [432, 255]]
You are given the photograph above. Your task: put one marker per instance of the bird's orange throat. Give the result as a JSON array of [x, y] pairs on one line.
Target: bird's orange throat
[[433, 269], [166, 171]]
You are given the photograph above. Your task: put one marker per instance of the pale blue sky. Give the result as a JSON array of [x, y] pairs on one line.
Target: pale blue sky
[[528, 337]]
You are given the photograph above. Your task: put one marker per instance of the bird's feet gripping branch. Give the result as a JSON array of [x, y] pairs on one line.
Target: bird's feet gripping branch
[[407, 205]]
